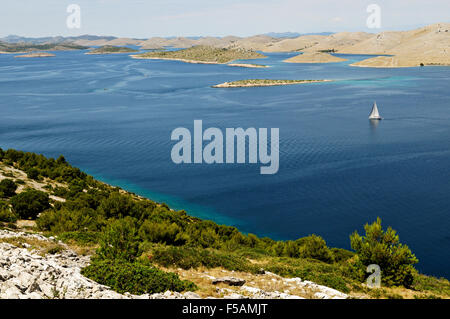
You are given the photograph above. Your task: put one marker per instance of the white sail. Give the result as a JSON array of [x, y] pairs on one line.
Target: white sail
[[374, 115]]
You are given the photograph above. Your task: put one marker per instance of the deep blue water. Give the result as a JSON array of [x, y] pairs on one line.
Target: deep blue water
[[112, 116]]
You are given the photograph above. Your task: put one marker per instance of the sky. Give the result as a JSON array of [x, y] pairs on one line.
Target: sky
[[148, 18]]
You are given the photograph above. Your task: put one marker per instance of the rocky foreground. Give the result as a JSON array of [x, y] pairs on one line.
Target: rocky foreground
[[27, 273]]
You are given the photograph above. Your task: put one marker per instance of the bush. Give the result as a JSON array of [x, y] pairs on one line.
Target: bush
[[65, 220], [384, 249], [160, 232], [7, 188], [341, 255], [134, 277], [30, 203], [120, 240], [314, 247], [32, 173], [118, 206]]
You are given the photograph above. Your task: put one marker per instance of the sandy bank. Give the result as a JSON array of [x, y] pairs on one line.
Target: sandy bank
[[36, 55], [246, 65]]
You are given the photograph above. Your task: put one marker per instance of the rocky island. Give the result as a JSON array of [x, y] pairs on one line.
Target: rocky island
[[263, 82], [205, 55]]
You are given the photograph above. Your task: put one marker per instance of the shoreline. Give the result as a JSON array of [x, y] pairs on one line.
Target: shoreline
[[243, 65], [395, 67]]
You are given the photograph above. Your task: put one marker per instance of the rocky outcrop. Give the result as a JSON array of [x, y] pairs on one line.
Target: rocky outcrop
[[231, 281]]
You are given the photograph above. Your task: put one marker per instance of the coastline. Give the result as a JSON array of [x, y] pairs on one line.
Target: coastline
[[102, 53], [175, 203], [242, 65], [317, 284]]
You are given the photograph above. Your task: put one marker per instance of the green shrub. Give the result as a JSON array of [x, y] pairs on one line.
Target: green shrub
[[163, 232], [30, 203], [340, 255], [134, 277], [384, 249], [7, 188], [314, 247], [120, 240], [118, 206], [7, 216], [32, 173], [65, 220]]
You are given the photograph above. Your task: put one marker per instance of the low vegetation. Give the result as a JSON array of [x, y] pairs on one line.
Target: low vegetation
[[109, 49], [135, 238], [30, 203], [205, 54], [7, 188]]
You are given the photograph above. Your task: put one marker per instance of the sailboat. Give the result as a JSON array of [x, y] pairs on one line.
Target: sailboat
[[374, 115]]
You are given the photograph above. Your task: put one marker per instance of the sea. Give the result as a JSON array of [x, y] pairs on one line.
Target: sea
[[112, 116]]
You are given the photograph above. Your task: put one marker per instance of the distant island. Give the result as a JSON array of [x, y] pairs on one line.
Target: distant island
[[36, 55], [263, 82], [30, 47], [425, 46], [204, 55], [110, 49]]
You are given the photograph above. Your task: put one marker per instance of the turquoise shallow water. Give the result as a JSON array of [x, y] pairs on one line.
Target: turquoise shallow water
[[112, 116]]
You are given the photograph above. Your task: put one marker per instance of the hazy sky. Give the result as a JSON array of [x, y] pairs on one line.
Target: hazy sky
[[147, 18]]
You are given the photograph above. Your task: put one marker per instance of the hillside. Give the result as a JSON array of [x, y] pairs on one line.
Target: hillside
[[297, 44], [334, 41], [123, 41], [425, 46], [314, 57], [68, 220], [249, 43]]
